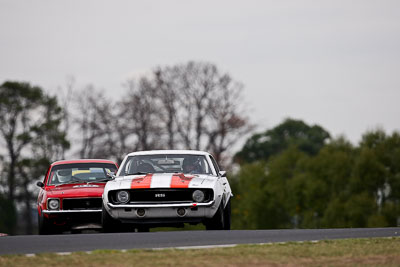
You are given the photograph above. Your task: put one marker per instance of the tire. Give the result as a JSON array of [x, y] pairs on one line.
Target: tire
[[74, 231], [217, 222], [227, 216], [108, 223], [143, 229], [44, 226]]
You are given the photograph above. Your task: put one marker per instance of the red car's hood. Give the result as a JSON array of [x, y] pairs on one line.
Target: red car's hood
[[77, 190]]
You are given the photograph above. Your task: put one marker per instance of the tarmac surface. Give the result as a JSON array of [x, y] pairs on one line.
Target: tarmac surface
[[33, 244]]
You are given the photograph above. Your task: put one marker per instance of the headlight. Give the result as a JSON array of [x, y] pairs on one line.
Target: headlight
[[54, 204], [123, 196], [198, 196]]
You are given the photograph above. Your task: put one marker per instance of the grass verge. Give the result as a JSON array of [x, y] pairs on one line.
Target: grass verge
[[346, 252]]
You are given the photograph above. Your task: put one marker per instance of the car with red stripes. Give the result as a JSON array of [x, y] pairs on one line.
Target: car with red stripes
[[167, 188], [70, 196]]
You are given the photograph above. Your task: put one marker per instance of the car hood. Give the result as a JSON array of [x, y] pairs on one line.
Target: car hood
[[77, 190], [163, 180]]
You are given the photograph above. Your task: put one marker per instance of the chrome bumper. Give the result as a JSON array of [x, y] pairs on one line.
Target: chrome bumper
[[70, 211], [162, 211], [176, 205]]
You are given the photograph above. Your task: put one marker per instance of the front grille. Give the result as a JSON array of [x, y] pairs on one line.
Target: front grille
[[163, 195], [82, 203]]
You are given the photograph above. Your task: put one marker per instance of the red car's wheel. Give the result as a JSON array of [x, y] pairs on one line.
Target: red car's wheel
[[45, 227]]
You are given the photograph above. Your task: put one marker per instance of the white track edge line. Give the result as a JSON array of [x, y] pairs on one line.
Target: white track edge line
[[185, 247]]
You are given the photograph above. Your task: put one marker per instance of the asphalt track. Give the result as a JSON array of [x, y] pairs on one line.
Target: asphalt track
[[88, 242]]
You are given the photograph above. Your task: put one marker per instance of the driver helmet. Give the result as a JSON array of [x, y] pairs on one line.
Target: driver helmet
[[64, 175], [190, 164]]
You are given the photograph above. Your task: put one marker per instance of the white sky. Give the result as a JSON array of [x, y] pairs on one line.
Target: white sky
[[334, 63]]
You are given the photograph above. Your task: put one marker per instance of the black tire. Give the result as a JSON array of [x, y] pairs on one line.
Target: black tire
[[217, 222], [75, 231], [108, 223], [227, 216], [143, 229], [44, 226]]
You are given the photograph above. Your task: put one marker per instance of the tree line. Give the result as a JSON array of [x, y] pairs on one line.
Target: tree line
[[186, 106], [291, 176], [298, 176]]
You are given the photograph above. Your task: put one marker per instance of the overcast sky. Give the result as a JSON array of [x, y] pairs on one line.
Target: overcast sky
[[334, 63]]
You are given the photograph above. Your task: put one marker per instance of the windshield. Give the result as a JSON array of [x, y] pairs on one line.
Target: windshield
[[166, 163], [80, 173]]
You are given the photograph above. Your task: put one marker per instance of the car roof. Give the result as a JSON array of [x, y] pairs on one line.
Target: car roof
[[161, 152], [60, 162]]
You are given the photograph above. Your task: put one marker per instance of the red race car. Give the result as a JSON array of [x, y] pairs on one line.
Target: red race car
[[70, 197]]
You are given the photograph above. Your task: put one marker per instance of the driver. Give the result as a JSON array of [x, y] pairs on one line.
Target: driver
[[191, 165], [64, 175]]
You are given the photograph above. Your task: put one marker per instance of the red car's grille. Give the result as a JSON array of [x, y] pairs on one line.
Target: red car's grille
[[82, 203]]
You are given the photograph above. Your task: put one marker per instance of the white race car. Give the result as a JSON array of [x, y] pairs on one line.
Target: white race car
[[167, 188]]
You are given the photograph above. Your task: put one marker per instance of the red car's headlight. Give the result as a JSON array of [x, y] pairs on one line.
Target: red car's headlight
[[53, 204]]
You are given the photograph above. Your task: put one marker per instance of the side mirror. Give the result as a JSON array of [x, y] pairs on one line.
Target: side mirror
[[222, 173], [111, 175], [40, 184]]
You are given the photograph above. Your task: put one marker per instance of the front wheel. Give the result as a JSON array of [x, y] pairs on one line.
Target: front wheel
[[108, 223], [217, 222], [45, 227], [143, 229], [227, 216]]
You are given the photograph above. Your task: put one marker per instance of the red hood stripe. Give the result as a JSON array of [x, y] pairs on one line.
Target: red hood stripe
[[180, 181], [142, 182]]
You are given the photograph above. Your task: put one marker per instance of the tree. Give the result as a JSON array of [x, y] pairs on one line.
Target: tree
[[142, 116], [228, 122], [29, 125], [87, 120], [19, 109], [340, 186], [267, 193], [185, 106], [8, 214], [200, 107], [377, 172], [109, 128], [167, 86], [309, 139]]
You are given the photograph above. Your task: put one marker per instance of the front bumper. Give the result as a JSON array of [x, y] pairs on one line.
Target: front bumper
[[167, 205], [159, 213], [70, 211], [72, 218]]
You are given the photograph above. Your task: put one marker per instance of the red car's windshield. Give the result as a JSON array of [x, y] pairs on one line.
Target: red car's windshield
[[80, 172]]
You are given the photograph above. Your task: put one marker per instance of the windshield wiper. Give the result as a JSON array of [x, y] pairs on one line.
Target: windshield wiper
[[137, 173], [71, 182], [100, 180]]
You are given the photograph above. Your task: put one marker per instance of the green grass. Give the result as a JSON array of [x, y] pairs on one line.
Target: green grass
[[347, 252]]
